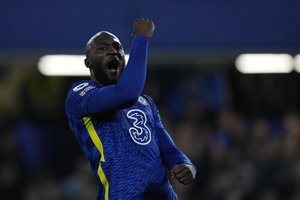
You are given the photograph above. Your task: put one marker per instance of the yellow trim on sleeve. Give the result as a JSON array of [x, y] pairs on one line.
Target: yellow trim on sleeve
[[97, 142]]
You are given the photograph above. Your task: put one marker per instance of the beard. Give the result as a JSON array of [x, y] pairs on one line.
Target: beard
[[107, 75], [107, 72], [105, 78]]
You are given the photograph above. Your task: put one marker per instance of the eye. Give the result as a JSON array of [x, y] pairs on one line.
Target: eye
[[117, 46], [101, 48]]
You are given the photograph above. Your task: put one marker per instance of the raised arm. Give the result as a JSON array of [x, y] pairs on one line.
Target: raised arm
[[131, 82]]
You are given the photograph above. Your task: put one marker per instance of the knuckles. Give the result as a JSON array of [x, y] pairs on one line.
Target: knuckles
[[143, 27]]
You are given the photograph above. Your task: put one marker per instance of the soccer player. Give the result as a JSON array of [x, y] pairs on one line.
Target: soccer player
[[118, 128]]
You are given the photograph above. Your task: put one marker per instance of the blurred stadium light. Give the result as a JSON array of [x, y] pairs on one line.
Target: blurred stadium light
[[73, 65], [297, 63], [264, 63], [64, 65]]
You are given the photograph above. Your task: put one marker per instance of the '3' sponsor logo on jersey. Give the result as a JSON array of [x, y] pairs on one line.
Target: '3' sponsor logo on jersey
[[139, 131]]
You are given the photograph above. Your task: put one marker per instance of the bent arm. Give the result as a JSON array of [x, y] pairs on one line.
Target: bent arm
[[177, 163], [171, 155], [129, 86]]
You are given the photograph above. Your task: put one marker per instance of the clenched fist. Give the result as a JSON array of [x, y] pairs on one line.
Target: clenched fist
[[184, 173], [143, 27]]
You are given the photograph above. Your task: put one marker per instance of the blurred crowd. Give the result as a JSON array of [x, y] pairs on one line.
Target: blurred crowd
[[239, 155]]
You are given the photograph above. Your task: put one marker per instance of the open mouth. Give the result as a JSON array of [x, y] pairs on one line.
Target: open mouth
[[113, 65]]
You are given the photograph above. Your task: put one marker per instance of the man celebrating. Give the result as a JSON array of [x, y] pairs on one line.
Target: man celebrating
[[118, 128]]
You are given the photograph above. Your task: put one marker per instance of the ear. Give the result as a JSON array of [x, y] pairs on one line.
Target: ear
[[87, 63]]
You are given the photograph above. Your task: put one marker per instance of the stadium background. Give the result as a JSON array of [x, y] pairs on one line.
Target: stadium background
[[241, 130]]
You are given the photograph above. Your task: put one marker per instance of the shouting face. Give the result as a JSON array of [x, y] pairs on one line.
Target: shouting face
[[105, 58]]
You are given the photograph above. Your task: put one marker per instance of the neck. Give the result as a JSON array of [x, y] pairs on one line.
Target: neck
[[96, 81], [93, 78]]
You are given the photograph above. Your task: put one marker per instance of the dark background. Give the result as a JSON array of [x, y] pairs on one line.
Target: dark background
[[242, 131]]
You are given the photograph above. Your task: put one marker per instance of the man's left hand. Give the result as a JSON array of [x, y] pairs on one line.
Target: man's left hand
[[184, 173]]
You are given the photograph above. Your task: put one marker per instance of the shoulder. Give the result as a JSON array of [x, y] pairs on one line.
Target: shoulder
[[145, 100], [81, 85], [80, 88], [78, 95]]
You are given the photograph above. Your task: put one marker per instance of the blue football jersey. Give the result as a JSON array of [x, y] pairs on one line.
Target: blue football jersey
[[123, 146]]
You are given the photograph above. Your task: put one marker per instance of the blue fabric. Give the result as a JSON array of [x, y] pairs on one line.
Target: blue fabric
[[136, 147]]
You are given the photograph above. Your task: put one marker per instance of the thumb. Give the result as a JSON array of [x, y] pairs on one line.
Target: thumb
[[172, 171]]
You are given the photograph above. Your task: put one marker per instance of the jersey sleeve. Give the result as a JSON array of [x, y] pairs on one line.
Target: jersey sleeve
[[171, 154], [129, 86], [95, 100], [77, 98]]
